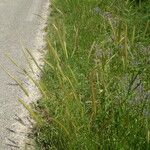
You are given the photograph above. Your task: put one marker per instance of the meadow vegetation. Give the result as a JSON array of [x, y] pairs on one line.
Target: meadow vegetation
[[95, 83]]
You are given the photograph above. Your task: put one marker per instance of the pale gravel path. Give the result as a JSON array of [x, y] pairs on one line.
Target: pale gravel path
[[18, 22]]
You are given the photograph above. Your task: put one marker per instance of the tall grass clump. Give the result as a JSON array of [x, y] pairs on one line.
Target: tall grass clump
[[96, 77]]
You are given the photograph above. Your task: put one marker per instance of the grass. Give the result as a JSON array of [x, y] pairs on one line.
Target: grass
[[96, 77]]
